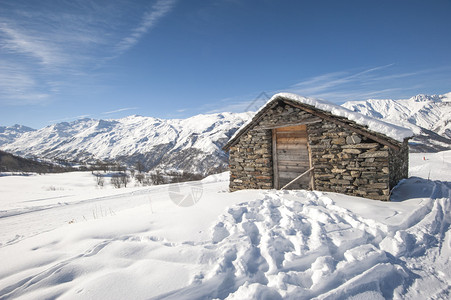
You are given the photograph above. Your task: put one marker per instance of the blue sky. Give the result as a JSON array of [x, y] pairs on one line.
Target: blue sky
[[63, 60]]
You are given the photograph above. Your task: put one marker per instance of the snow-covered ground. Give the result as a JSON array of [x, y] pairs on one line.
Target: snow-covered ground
[[63, 237]]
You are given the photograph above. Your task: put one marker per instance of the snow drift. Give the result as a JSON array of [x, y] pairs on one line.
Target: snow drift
[[77, 241]]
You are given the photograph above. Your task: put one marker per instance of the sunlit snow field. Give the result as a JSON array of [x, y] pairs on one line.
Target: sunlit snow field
[[63, 237]]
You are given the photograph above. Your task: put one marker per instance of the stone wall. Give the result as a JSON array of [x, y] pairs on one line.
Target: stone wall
[[251, 161], [399, 164], [344, 161], [348, 163]]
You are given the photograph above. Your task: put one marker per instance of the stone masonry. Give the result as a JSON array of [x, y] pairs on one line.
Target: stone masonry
[[343, 160], [251, 161]]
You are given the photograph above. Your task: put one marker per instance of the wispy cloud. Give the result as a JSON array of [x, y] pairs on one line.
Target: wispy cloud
[[377, 82], [17, 41], [119, 110], [346, 85], [19, 87], [66, 41], [149, 20], [326, 82]]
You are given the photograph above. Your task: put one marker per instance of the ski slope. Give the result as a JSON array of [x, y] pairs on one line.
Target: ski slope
[[62, 237]]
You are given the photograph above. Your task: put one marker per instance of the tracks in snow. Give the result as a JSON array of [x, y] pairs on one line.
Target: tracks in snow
[[294, 245], [279, 247], [20, 224]]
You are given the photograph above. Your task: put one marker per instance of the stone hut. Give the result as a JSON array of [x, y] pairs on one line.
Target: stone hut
[[336, 149]]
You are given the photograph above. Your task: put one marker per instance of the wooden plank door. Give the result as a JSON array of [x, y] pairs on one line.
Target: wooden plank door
[[291, 156]]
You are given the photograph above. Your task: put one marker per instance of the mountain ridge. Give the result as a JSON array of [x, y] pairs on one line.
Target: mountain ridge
[[10, 133], [428, 116], [195, 144]]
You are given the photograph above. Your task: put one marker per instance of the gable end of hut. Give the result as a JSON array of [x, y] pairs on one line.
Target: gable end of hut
[[346, 157]]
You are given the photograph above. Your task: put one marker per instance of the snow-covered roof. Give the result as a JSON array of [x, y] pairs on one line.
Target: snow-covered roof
[[392, 131]]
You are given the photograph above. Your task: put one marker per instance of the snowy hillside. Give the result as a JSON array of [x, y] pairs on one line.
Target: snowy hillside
[[64, 238], [192, 144], [428, 116], [9, 134]]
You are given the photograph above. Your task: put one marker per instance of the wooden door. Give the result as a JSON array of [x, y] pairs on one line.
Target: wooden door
[[291, 156]]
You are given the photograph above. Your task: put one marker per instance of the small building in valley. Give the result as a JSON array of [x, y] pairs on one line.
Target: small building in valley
[[336, 149]]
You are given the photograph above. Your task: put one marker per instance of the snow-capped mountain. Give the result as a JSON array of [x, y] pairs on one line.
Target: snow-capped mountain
[[429, 117], [9, 134], [192, 144]]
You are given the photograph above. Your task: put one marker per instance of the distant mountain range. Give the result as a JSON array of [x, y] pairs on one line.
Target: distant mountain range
[[429, 117], [10, 134], [194, 144]]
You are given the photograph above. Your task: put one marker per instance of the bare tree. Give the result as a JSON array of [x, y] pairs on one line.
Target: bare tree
[[140, 178], [115, 181], [99, 179], [157, 178], [124, 179]]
